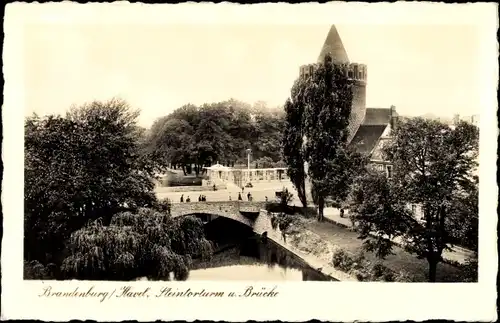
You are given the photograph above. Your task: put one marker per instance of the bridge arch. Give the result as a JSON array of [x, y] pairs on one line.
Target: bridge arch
[[243, 212]]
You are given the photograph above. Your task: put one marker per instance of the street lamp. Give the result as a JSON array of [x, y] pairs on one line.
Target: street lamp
[[249, 151]]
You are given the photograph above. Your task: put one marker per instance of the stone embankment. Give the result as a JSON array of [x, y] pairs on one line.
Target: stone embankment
[[320, 261]]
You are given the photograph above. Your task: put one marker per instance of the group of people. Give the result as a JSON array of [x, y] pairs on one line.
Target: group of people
[[201, 198], [249, 197]]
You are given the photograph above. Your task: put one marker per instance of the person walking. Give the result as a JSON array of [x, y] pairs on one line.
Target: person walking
[[239, 197], [188, 199], [182, 198], [229, 197], [199, 198], [248, 196], [266, 198]]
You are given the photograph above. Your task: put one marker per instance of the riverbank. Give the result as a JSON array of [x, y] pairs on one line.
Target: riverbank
[[321, 240]]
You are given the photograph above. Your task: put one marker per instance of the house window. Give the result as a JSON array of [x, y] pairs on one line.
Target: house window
[[389, 171]]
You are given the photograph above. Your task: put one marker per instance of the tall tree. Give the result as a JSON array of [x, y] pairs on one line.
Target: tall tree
[[292, 141], [328, 99], [433, 166], [78, 168]]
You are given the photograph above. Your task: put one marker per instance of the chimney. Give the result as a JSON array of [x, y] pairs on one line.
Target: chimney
[[394, 117]]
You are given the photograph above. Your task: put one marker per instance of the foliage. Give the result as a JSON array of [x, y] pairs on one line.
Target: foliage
[[470, 271], [35, 270], [147, 243], [264, 162], [319, 113], [364, 270], [285, 198], [216, 132], [282, 221], [292, 141], [433, 166], [463, 219], [342, 260], [80, 167]]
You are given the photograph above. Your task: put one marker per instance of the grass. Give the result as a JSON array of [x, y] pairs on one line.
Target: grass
[[401, 261]]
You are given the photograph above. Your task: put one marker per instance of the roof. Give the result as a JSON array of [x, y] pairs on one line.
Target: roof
[[367, 137], [218, 167], [377, 116], [334, 46]]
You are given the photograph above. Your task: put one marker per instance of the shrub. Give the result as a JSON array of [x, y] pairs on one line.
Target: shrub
[[36, 270], [360, 274], [359, 260], [403, 277], [342, 260], [380, 272]]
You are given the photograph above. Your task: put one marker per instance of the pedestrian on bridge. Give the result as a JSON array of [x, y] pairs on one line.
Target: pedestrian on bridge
[[182, 198], [188, 199], [229, 197], [239, 197]]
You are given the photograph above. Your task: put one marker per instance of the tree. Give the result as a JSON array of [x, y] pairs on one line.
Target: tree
[[433, 166], [328, 100], [78, 168], [171, 140], [267, 126], [213, 142], [463, 220], [264, 162], [216, 132], [146, 243], [292, 140]]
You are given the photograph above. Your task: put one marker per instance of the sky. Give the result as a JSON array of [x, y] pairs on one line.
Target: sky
[[421, 69]]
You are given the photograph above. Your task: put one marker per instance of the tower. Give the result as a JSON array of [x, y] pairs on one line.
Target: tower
[[356, 72]]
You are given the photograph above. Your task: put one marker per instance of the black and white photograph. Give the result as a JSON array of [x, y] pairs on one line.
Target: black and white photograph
[[242, 152]]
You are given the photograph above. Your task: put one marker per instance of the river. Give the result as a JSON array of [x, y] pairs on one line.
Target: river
[[242, 255]]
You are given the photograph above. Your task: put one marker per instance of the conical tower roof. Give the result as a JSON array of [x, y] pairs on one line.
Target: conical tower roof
[[333, 45]]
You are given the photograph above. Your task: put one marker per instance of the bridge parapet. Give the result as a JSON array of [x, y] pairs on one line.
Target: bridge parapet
[[223, 208]]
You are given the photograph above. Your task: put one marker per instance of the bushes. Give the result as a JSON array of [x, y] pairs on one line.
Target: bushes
[[35, 270], [342, 260], [363, 270]]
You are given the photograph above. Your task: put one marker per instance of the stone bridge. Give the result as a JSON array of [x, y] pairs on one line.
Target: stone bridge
[[255, 216], [241, 211]]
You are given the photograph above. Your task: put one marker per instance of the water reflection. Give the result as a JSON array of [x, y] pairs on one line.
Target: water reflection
[[242, 255]]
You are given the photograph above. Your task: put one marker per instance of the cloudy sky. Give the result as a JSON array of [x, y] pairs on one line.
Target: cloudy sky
[[157, 68]]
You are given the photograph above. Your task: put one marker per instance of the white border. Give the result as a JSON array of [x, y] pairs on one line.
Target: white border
[[296, 301]]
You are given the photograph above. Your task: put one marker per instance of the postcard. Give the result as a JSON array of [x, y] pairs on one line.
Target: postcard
[[233, 162]]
